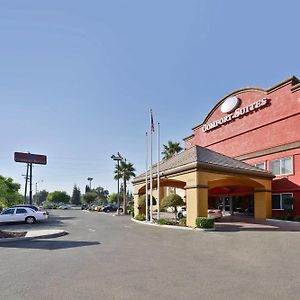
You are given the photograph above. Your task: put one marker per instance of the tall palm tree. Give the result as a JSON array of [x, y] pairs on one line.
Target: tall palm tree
[[171, 149], [125, 172]]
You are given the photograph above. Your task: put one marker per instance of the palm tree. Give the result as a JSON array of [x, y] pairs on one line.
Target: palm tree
[[171, 149], [126, 172]]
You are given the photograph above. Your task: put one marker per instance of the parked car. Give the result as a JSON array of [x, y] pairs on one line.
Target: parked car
[[22, 214], [110, 207], [211, 213], [214, 213], [84, 206], [67, 206], [27, 205]]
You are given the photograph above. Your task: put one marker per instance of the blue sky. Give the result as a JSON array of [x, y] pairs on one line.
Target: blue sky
[[77, 78]]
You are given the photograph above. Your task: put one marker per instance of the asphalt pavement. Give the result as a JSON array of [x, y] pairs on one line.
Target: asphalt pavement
[[107, 257]]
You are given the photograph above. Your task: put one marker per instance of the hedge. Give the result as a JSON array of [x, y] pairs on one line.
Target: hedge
[[203, 222], [164, 222], [140, 217]]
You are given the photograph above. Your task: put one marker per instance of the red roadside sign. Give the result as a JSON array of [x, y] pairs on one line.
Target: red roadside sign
[[30, 158]]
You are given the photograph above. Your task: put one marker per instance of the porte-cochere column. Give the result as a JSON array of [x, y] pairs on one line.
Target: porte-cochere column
[[196, 203], [262, 204]]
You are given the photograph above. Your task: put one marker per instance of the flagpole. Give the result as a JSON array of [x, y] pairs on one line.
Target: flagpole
[[147, 211], [151, 131], [158, 172]]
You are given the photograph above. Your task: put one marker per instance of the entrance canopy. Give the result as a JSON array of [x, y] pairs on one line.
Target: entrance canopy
[[200, 171]]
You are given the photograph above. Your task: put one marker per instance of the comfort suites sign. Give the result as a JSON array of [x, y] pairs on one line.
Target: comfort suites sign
[[231, 107]]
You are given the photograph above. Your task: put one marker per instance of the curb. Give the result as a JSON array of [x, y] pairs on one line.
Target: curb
[[172, 226], [24, 238], [282, 221]]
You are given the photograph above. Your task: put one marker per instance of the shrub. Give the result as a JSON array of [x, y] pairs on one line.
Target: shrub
[[140, 217], [142, 201], [164, 222], [297, 218], [182, 221], [173, 200], [203, 222], [281, 217]]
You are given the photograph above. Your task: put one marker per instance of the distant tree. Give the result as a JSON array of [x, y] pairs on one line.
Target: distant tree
[[75, 199], [42, 196], [90, 197], [9, 194], [87, 189], [171, 149], [113, 198], [58, 197], [173, 200], [125, 172], [102, 194]]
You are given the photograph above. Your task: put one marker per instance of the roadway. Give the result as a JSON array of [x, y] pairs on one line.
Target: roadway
[[107, 257]]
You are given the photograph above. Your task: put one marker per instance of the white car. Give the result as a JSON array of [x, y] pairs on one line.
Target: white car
[[211, 213], [22, 214]]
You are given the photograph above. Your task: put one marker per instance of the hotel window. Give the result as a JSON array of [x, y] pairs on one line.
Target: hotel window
[[281, 166], [279, 203], [260, 165]]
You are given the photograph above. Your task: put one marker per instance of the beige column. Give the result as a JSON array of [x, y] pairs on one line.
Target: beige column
[[196, 203], [262, 204], [136, 200]]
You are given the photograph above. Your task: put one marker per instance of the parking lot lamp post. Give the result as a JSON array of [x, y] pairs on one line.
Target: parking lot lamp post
[[90, 180], [36, 190], [118, 158]]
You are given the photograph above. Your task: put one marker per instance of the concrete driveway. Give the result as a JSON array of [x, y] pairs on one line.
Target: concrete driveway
[[106, 257]]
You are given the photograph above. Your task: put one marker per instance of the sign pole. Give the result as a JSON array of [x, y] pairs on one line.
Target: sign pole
[[26, 181], [30, 185]]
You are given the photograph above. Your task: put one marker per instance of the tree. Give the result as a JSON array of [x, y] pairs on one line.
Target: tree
[[125, 172], [173, 200], [75, 199], [9, 194], [113, 198], [87, 189], [42, 196], [58, 197], [102, 194], [142, 201], [90, 197], [171, 149]]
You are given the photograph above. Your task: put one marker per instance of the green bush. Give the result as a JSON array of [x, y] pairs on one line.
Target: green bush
[[281, 217], [140, 217], [297, 218], [203, 222], [164, 222], [182, 221]]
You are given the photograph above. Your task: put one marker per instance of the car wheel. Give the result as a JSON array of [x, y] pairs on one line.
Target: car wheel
[[30, 220], [107, 211], [180, 215]]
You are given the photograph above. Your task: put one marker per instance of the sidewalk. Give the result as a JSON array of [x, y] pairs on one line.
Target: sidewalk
[[33, 234]]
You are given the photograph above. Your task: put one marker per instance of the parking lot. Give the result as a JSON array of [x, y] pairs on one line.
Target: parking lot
[[107, 257]]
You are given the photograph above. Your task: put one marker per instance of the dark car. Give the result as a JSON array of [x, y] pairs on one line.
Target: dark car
[[84, 206], [109, 208]]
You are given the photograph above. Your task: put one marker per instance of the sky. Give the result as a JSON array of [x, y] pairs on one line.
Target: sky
[[78, 78]]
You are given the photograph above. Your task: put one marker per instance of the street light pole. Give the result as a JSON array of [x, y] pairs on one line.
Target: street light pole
[[90, 180], [118, 158], [36, 190]]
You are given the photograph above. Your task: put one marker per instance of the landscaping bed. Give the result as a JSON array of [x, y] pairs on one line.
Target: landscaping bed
[[8, 234]]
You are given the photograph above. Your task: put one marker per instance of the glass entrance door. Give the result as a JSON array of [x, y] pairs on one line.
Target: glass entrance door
[[225, 205]]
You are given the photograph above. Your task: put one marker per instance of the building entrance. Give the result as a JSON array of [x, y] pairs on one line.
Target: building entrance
[[229, 205]]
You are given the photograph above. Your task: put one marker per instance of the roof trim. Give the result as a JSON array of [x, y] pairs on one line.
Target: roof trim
[[189, 137], [291, 80], [245, 89]]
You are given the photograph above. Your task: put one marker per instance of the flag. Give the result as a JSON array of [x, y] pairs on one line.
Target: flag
[[152, 123]]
